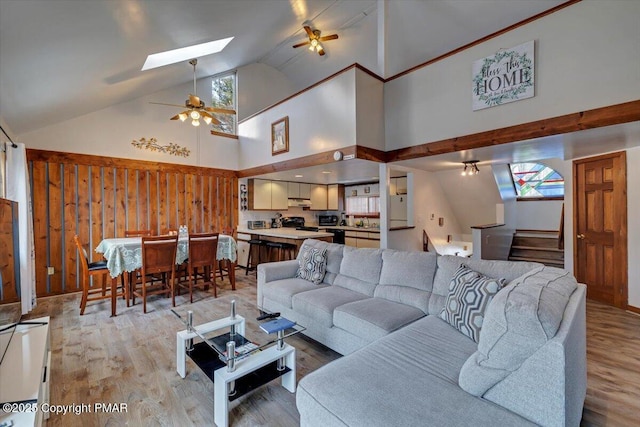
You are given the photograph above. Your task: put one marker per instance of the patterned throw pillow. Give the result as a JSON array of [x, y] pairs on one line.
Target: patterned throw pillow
[[469, 295], [313, 264]]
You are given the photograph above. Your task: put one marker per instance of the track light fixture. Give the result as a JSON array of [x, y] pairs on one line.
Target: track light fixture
[[470, 167]]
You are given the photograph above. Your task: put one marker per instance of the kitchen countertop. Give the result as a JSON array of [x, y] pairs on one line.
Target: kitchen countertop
[[285, 233], [348, 228]]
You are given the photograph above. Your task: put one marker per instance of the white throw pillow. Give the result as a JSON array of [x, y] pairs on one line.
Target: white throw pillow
[[312, 264]]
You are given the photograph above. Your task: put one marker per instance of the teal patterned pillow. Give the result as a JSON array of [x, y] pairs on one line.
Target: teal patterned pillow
[[469, 295], [313, 264]]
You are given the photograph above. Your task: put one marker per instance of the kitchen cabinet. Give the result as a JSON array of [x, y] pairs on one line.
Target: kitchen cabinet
[[293, 190], [267, 195], [318, 197], [305, 190], [398, 185], [279, 199], [362, 239], [335, 197]]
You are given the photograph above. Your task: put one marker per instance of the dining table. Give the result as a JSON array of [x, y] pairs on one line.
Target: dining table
[[124, 254]]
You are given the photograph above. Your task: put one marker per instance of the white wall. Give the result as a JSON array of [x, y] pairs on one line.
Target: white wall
[[633, 224], [586, 57], [320, 119], [429, 198], [260, 86], [472, 198], [109, 132], [538, 215], [369, 111]]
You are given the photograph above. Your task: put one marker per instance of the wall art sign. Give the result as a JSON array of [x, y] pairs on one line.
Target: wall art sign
[[505, 77]]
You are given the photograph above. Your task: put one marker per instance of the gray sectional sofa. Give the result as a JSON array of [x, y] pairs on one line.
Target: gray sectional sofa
[[406, 366]]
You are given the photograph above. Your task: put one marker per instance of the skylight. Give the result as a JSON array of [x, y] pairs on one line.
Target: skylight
[[184, 53]]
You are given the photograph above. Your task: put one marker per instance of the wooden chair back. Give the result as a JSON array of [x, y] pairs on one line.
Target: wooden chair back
[[203, 249], [138, 233], [82, 256], [159, 254]]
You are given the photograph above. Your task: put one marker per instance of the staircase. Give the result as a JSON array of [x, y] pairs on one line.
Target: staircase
[[537, 246]]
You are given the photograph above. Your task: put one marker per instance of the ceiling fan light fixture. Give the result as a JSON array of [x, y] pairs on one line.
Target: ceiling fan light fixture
[[182, 116], [194, 115], [207, 120], [195, 122]]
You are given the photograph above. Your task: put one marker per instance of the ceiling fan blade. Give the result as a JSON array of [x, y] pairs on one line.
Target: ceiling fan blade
[[331, 37], [169, 105], [220, 110], [174, 117], [301, 44], [308, 30], [177, 116]]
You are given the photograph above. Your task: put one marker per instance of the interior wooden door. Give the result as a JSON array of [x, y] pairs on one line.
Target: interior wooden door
[[600, 225]]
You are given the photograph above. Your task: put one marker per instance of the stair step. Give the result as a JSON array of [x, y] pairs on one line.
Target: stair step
[[537, 248], [541, 242], [538, 254], [549, 262]]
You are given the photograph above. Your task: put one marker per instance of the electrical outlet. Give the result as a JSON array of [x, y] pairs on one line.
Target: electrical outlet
[[50, 271]]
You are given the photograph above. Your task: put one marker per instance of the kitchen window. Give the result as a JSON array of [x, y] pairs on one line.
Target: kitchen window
[[361, 205]]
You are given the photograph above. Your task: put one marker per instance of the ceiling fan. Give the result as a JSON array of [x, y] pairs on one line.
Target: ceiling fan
[[315, 39], [196, 108]]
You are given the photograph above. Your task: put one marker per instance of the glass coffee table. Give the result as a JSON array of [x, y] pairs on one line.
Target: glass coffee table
[[249, 366]]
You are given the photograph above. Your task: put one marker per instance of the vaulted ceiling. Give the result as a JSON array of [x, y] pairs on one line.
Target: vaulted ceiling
[[63, 58]]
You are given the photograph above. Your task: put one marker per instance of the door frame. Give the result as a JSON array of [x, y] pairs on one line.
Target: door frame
[[621, 293]]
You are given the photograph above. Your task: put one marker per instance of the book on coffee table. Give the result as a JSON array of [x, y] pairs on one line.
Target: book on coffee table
[[277, 325]]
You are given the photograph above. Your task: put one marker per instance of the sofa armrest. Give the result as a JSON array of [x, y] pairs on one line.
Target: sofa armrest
[[268, 272]]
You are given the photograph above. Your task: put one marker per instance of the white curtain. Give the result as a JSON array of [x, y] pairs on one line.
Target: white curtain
[[19, 190]]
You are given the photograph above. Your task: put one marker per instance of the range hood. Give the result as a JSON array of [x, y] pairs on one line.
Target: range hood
[[301, 203]]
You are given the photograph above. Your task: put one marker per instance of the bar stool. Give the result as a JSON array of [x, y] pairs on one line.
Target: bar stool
[[260, 244], [284, 249]]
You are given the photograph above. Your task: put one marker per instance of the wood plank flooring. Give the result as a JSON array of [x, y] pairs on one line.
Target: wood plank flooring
[[131, 359]]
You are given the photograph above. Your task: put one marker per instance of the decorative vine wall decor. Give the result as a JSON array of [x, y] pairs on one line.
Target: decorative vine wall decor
[[152, 144]]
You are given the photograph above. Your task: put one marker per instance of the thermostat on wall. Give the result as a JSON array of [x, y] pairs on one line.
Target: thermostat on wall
[[337, 156]]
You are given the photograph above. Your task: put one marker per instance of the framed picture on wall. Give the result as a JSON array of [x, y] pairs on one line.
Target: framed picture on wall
[[280, 136]]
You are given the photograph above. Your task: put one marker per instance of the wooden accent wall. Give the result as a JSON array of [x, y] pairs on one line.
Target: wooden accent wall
[[101, 197], [9, 267]]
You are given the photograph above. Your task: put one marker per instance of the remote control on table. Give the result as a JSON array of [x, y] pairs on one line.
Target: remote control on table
[[268, 316]]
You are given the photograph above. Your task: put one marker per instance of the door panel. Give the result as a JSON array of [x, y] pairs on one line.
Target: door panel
[[600, 243]]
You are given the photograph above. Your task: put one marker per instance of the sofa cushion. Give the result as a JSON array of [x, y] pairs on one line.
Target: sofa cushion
[[469, 295], [313, 264], [360, 270], [407, 277], [334, 257], [407, 378], [374, 318], [521, 318], [281, 291], [318, 304], [448, 265]]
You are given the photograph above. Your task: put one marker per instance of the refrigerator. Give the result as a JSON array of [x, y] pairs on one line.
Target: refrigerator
[[398, 211]]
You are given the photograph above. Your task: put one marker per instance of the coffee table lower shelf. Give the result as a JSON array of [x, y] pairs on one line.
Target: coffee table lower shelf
[[208, 361]]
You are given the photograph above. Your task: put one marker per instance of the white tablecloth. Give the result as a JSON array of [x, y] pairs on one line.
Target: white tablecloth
[[125, 253]]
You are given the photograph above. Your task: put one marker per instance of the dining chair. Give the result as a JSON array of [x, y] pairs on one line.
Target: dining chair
[[224, 265], [203, 250], [95, 269], [158, 258], [135, 233], [138, 233]]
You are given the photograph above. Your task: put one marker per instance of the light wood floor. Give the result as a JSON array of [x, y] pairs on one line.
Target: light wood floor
[[131, 359]]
